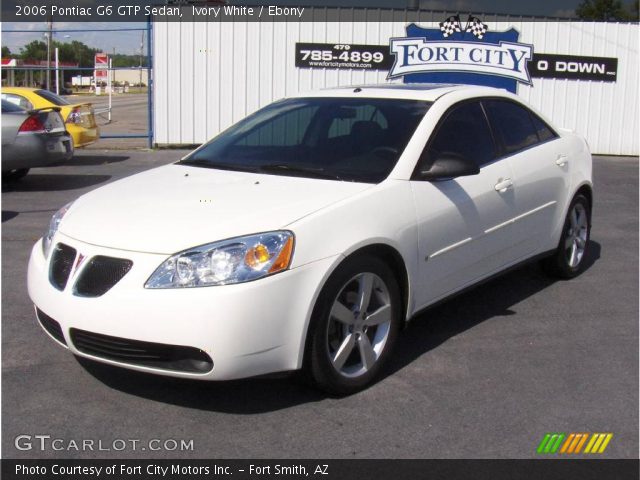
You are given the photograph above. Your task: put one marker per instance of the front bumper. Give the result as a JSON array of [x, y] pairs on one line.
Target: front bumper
[[247, 329]]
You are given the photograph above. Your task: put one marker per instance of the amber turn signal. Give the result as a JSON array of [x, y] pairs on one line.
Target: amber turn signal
[[283, 260]]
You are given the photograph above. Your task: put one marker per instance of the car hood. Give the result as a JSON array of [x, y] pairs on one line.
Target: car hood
[[175, 207]]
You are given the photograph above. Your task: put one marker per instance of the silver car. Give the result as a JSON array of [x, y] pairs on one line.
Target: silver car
[[32, 138]]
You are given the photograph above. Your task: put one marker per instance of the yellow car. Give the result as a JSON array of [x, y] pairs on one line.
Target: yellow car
[[78, 117]]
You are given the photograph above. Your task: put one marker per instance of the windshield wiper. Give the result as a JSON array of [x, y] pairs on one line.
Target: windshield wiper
[[283, 167], [201, 162]]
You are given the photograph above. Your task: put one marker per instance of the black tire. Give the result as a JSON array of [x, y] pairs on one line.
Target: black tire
[[14, 175], [326, 331], [560, 264]]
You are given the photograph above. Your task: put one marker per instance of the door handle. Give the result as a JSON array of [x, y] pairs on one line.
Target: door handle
[[503, 185], [562, 160]]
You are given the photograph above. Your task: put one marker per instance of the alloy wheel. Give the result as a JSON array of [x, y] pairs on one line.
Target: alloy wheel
[[577, 234], [359, 325]]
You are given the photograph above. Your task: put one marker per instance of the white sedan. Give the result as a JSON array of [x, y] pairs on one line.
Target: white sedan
[[309, 233]]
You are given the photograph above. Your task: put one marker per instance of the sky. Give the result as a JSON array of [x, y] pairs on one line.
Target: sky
[[128, 42]]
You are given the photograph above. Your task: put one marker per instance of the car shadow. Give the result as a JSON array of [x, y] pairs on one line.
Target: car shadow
[[245, 397], [494, 298], [86, 160], [259, 395], [53, 182], [8, 215]]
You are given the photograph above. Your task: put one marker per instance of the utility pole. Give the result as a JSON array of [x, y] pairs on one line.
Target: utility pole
[[49, 53]]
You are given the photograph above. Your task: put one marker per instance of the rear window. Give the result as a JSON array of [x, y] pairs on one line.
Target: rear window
[[544, 131], [8, 107], [52, 97]]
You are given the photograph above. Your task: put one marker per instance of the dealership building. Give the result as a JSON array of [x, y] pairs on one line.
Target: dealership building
[[582, 75]]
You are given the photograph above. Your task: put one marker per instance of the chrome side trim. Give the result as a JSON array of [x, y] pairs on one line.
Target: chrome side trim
[[449, 248], [489, 230], [519, 217]]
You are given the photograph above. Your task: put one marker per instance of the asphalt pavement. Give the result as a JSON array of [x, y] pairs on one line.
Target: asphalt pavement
[[483, 376]]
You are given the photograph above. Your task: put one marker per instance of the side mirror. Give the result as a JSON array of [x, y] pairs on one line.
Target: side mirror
[[450, 165]]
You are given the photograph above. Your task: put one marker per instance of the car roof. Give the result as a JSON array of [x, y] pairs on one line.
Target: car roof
[[20, 89], [415, 91]]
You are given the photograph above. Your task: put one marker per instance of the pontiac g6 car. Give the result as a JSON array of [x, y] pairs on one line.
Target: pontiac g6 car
[[306, 235]]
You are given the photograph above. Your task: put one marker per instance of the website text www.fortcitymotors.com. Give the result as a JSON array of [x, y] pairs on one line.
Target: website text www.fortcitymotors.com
[[339, 65], [44, 443]]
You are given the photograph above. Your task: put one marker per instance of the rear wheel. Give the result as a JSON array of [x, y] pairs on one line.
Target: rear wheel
[[14, 175], [568, 259], [354, 325]]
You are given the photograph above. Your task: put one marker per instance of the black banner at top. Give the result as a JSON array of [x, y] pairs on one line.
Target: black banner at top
[[223, 11]]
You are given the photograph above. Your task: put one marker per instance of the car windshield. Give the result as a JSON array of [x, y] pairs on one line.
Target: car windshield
[[9, 107], [351, 139], [52, 97]]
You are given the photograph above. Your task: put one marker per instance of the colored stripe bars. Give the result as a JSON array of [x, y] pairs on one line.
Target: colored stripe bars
[[573, 443]]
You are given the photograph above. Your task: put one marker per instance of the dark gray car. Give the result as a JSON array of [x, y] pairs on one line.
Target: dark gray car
[[32, 138]]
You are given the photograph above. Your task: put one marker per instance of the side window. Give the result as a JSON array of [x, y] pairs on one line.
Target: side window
[[463, 132], [17, 100], [512, 123], [542, 129], [8, 107]]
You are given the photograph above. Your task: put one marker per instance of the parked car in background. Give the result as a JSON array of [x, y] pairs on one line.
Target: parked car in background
[[79, 118], [32, 138], [306, 235]]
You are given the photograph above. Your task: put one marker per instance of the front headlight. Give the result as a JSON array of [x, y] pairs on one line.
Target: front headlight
[[230, 261], [53, 228]]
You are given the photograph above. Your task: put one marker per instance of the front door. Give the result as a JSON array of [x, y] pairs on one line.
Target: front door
[[464, 229]]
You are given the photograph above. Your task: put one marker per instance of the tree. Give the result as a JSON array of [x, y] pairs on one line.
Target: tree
[[602, 10], [6, 53], [36, 50], [76, 52], [122, 60]]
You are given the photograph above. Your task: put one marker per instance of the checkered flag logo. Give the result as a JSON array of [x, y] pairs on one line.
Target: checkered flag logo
[[450, 25], [476, 27]]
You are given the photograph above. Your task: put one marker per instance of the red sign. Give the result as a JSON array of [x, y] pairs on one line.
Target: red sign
[[102, 60], [101, 65]]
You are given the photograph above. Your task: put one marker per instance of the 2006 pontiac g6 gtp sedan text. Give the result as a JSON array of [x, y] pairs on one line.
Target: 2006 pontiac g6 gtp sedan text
[[307, 234]]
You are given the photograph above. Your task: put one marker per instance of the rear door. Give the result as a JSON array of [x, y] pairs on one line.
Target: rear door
[[540, 168], [463, 223]]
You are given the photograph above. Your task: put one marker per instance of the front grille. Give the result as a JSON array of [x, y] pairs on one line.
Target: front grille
[[135, 352], [51, 326], [100, 275], [61, 264]]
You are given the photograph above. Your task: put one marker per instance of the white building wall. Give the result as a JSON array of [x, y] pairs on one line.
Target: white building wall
[[210, 75]]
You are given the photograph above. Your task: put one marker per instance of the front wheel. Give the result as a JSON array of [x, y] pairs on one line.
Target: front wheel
[[568, 259], [354, 325]]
